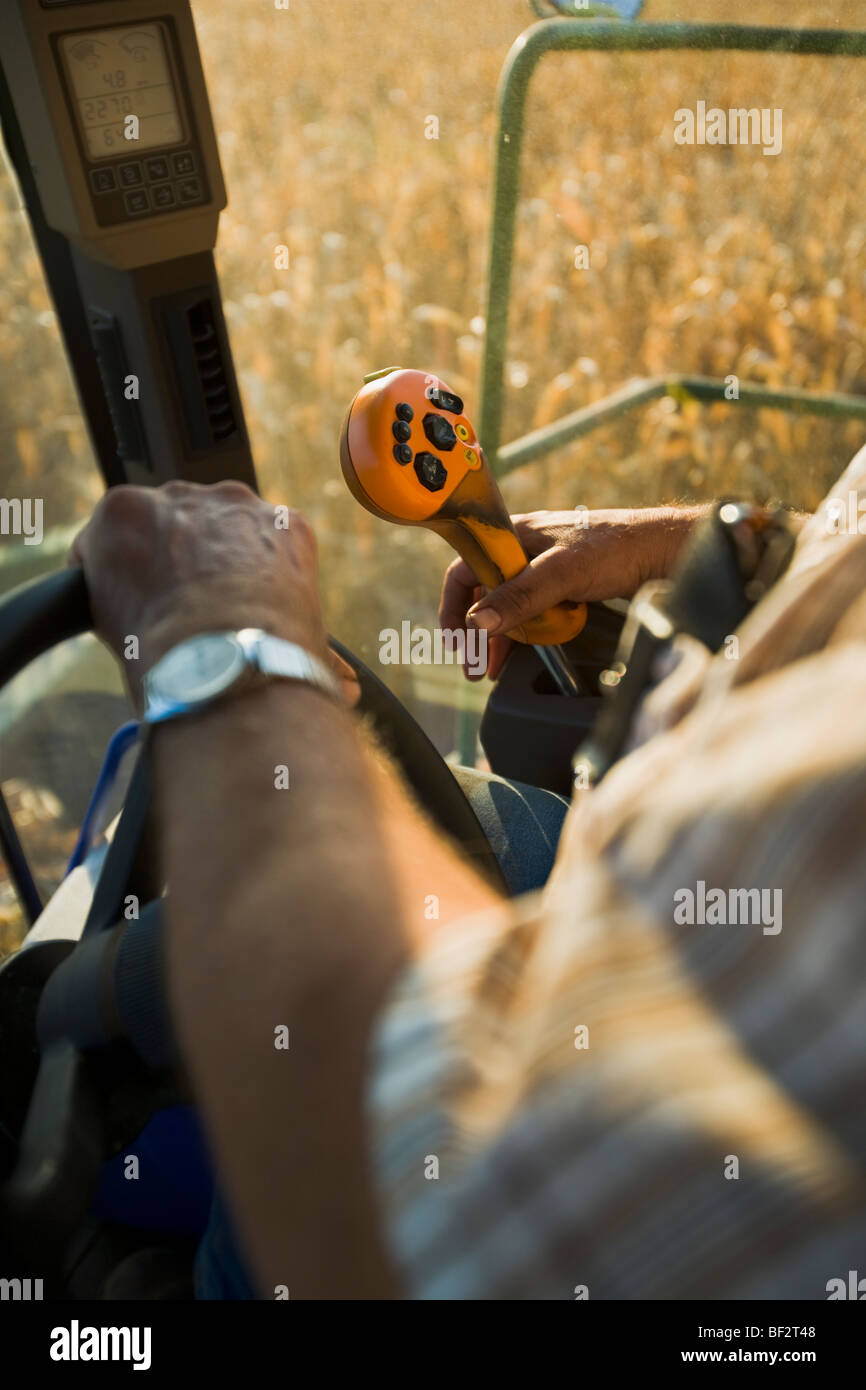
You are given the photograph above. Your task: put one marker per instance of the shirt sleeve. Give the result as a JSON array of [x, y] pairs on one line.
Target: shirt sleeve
[[643, 1082]]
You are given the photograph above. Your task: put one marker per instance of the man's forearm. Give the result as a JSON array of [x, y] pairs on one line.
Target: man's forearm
[[292, 909]]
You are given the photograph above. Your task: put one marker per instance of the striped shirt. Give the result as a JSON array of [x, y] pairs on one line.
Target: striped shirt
[[649, 1080]]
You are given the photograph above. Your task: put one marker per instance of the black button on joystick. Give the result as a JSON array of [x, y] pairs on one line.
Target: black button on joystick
[[431, 472], [438, 430], [401, 431], [403, 453], [445, 400], [405, 412]]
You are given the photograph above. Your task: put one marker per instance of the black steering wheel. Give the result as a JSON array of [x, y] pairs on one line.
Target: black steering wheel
[[65, 1006]]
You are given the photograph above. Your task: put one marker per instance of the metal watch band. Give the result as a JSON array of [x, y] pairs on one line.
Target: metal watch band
[[274, 656]]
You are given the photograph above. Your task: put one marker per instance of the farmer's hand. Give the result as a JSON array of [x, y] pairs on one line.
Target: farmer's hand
[[163, 564], [576, 555]]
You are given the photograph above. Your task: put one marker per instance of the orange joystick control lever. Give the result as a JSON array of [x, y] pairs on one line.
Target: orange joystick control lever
[[410, 455]]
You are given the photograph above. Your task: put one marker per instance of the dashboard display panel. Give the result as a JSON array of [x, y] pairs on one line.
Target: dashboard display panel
[[118, 72]]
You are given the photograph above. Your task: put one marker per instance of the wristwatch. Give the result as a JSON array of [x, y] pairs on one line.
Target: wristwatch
[[208, 667]]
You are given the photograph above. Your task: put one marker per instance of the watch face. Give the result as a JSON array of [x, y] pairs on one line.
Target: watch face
[[197, 670]]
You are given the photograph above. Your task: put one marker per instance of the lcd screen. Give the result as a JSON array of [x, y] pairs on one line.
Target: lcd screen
[[117, 73]]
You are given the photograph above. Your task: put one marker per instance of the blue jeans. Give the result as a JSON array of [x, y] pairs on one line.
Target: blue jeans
[[523, 825]]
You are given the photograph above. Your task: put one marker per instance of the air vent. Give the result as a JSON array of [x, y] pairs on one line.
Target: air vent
[[211, 372], [205, 388]]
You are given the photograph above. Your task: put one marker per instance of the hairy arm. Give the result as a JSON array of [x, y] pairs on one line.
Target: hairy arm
[[292, 907]]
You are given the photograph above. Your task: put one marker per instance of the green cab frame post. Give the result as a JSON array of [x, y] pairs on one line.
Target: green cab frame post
[[582, 35]]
